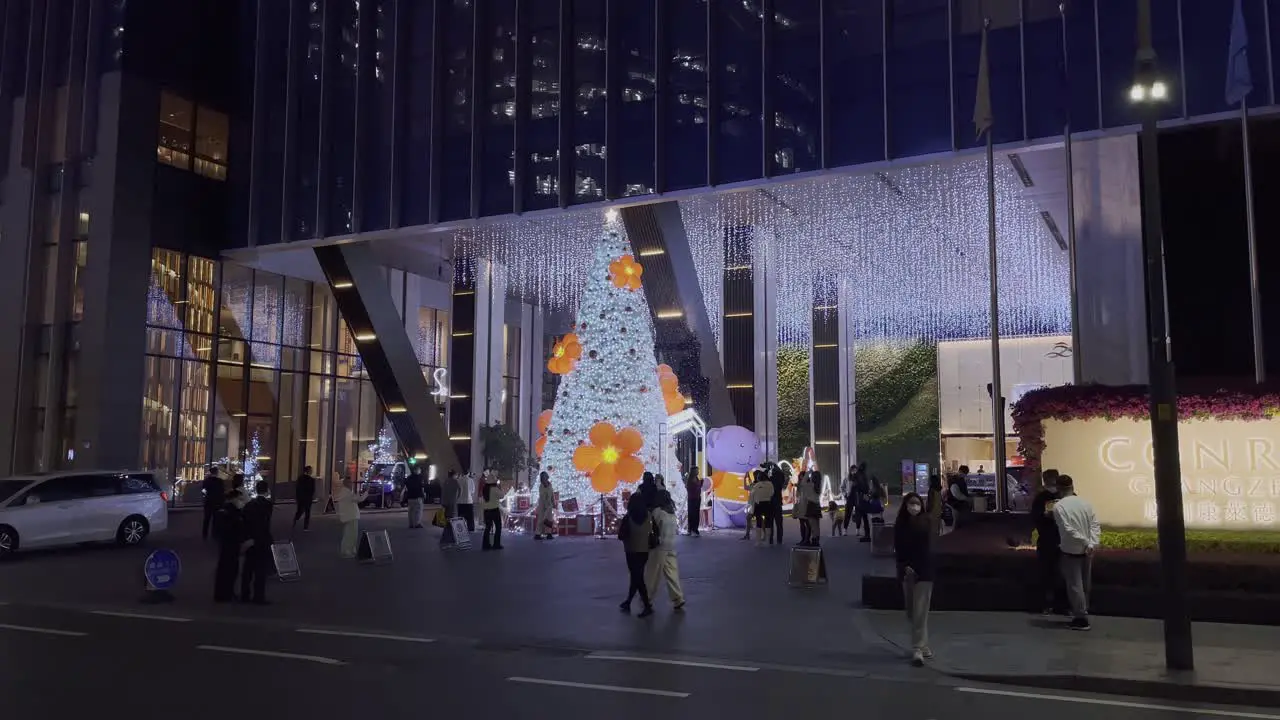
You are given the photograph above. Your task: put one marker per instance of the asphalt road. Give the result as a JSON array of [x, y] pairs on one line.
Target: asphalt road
[[152, 663]]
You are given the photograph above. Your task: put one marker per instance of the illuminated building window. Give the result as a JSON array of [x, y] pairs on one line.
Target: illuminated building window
[[176, 119], [192, 138]]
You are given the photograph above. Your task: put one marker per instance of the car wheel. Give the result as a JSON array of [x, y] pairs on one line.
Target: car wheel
[[133, 530], [8, 541]]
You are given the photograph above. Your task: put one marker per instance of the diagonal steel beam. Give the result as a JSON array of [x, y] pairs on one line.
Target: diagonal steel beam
[[671, 285]]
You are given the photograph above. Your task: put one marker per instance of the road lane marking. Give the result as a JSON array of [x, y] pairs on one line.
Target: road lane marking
[[139, 616], [369, 635], [668, 661], [271, 653], [43, 631], [1120, 703], [593, 686]]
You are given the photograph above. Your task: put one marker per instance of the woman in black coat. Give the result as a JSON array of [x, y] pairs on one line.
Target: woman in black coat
[[913, 536]]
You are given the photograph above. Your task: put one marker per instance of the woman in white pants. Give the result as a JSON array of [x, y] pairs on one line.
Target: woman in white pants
[[662, 563], [913, 548], [347, 503]]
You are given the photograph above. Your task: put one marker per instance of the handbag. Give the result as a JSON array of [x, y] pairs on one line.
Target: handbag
[[439, 520]]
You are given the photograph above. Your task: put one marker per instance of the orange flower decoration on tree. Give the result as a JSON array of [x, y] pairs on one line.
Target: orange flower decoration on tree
[[544, 422], [610, 456], [565, 355], [672, 400], [625, 273]]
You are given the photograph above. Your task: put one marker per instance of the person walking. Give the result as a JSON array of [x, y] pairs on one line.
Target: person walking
[[636, 531], [646, 494], [467, 499], [229, 532], [661, 563], [544, 522], [450, 489], [491, 504], [872, 507], [414, 493], [779, 480], [257, 558], [304, 495], [1080, 535], [215, 497], [913, 550], [347, 502], [850, 502], [693, 499], [1048, 542]]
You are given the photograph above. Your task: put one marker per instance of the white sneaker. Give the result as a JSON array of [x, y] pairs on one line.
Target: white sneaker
[[917, 658], [926, 653]]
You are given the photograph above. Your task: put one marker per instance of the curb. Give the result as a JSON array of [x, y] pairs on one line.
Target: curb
[[1175, 688]]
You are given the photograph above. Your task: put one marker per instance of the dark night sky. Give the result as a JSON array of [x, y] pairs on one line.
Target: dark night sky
[[1206, 246]]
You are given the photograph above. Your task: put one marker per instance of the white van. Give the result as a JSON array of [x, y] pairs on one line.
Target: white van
[[69, 508]]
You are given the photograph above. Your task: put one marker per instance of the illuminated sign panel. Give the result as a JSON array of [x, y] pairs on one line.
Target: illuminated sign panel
[[1230, 470]]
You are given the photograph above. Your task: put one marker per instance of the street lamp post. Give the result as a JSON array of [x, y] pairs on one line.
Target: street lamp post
[[1148, 92]]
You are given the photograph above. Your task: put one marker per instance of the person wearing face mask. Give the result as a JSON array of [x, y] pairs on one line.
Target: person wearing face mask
[[913, 550], [233, 539]]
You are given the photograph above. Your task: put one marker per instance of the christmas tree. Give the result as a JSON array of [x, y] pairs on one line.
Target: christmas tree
[[608, 424]]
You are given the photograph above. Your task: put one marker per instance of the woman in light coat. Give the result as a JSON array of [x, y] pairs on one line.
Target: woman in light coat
[[347, 502], [545, 519], [661, 564]]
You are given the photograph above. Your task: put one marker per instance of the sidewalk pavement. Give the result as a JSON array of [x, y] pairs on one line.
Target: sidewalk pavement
[[1236, 664]]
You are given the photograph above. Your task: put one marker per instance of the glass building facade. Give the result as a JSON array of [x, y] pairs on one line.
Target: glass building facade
[[386, 113], [245, 366]]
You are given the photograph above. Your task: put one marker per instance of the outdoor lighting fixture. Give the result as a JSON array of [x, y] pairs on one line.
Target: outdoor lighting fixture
[[670, 314], [420, 456], [343, 284], [365, 337], [459, 438], [652, 252], [397, 409], [1154, 91]]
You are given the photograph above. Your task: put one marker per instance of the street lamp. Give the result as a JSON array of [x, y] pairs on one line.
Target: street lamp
[[1148, 93]]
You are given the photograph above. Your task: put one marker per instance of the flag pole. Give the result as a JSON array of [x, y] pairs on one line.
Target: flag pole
[[1239, 85], [1255, 293], [983, 119], [1077, 360]]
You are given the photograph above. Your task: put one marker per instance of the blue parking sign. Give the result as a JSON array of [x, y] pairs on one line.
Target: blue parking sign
[[161, 570]]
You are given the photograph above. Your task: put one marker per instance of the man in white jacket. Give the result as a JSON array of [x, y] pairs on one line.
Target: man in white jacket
[[1081, 534]]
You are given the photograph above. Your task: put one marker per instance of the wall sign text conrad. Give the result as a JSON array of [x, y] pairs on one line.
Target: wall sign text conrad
[[1230, 470]]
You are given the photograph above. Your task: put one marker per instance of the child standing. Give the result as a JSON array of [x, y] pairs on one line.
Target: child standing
[[833, 512]]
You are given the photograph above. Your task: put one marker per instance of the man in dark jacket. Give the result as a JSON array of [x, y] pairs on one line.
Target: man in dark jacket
[[693, 490], [215, 496], [1048, 545], [779, 480], [414, 492], [257, 559], [305, 493], [228, 530]]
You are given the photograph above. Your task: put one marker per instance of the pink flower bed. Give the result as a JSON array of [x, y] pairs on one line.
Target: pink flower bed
[[1090, 402]]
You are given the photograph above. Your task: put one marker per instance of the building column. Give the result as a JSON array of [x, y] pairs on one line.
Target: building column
[[765, 342], [826, 362], [738, 324], [112, 336], [486, 388], [532, 364], [1113, 320], [848, 393], [462, 365]]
